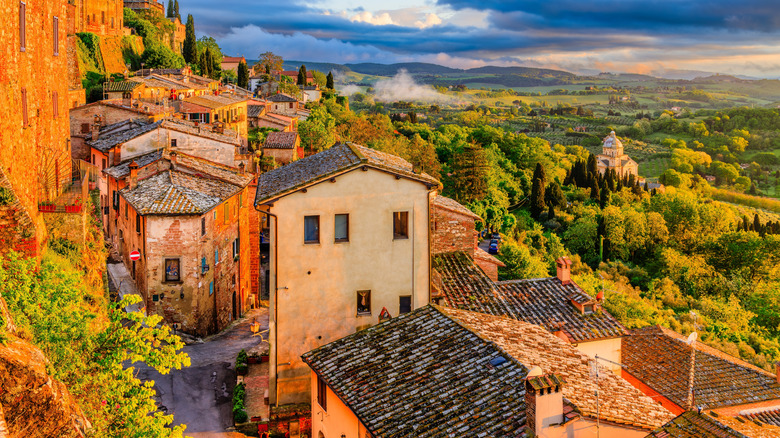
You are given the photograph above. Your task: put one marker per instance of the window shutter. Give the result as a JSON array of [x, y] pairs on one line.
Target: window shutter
[[55, 104], [56, 36], [22, 27], [24, 107]]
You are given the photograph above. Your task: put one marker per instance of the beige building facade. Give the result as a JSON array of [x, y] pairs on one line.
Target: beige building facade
[[614, 158]]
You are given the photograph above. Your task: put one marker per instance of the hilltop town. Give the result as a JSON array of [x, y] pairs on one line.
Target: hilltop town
[[194, 243]]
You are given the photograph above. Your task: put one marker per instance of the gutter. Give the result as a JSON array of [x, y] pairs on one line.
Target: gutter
[[276, 296]]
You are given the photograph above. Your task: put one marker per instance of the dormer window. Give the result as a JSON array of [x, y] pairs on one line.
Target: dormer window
[[587, 309]]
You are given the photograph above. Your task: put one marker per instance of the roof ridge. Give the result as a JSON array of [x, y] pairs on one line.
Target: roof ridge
[[352, 147]]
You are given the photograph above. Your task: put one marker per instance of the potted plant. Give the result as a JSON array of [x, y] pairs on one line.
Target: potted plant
[[264, 357], [46, 206]]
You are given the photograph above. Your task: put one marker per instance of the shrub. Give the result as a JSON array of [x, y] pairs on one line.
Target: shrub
[[242, 358], [242, 369], [240, 416]]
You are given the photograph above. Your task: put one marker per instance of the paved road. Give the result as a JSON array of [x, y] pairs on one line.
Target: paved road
[[200, 395]]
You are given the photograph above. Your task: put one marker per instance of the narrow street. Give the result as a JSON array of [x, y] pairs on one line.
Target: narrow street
[[200, 395]]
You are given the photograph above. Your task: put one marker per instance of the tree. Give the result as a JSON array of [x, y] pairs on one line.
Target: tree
[[190, 47], [161, 56], [329, 81], [318, 131], [176, 10], [206, 64], [169, 13], [242, 79], [302, 75], [554, 196], [470, 174], [537, 191], [269, 62]]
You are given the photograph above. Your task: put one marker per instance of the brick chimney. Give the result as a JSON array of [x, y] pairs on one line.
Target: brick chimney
[[117, 155], [174, 157], [241, 167], [96, 128], [133, 182], [543, 401], [564, 270]]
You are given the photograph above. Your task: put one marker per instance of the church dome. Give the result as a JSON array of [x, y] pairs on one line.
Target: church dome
[[612, 141]]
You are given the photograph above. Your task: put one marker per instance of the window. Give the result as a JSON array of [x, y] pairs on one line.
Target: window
[[236, 249], [401, 225], [22, 27], [211, 287], [342, 228], [102, 17], [104, 163], [85, 128], [241, 200], [137, 223], [172, 271], [588, 309], [204, 267], [216, 256], [364, 302], [116, 200], [404, 304], [173, 142], [24, 107], [203, 226], [56, 36], [126, 210], [322, 394], [55, 104], [291, 104], [227, 211], [311, 229]]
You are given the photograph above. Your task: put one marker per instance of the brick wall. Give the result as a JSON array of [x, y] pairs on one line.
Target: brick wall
[[101, 17], [452, 232], [35, 156]]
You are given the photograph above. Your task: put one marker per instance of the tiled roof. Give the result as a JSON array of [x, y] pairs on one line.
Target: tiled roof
[[339, 158], [455, 206], [281, 97], [122, 86], [106, 142], [255, 110], [174, 193], [750, 428], [145, 108], [201, 130], [661, 359], [230, 59], [280, 140], [692, 424], [422, 374], [213, 102], [542, 301], [123, 169], [205, 168], [768, 416], [531, 345]]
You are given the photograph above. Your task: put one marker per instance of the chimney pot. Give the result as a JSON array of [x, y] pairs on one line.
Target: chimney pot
[[564, 270], [543, 401]]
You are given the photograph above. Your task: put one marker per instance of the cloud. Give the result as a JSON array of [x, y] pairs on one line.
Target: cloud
[[348, 90], [382, 19], [403, 87], [430, 20]]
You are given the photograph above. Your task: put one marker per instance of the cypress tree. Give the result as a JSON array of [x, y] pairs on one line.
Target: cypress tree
[[329, 81], [554, 196], [605, 196], [551, 213], [190, 47], [646, 186], [592, 166], [756, 223], [176, 9], [169, 13], [537, 191], [302, 75], [242, 79], [594, 189]]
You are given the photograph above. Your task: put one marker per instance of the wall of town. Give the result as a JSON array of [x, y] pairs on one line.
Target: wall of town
[[452, 232], [83, 117], [35, 155], [201, 147], [281, 156], [318, 283], [101, 17], [609, 349]]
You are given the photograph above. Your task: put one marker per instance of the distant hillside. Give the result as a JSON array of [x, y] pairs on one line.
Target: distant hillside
[[392, 69], [324, 67], [523, 71]]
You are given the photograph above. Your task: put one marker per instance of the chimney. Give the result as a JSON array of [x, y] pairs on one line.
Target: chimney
[[117, 155], [241, 167], [564, 270], [543, 401], [174, 160], [133, 182], [96, 128]]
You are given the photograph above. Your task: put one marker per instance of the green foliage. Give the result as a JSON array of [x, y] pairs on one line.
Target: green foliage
[[242, 79], [209, 57], [161, 56], [92, 348], [329, 82], [6, 196], [318, 131], [190, 47]]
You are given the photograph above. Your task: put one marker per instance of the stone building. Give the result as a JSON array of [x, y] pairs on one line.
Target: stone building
[[349, 247], [282, 103], [284, 147], [145, 5], [228, 111], [178, 35], [189, 220], [613, 158], [231, 63], [35, 157], [101, 17]]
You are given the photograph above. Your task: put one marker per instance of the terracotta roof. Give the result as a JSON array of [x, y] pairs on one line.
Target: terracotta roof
[[454, 206], [122, 169], [122, 86], [144, 108], [531, 345], [112, 138], [205, 168], [542, 301], [281, 140], [281, 97], [231, 59], [661, 359], [692, 424], [201, 130], [768, 416], [423, 374], [337, 159], [750, 428], [255, 110], [428, 373], [213, 102]]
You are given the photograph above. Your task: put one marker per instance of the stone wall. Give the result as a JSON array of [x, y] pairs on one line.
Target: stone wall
[[35, 156], [452, 232], [101, 17]]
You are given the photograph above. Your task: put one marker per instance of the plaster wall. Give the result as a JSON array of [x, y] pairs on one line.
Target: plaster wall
[[337, 421], [318, 283], [609, 349]]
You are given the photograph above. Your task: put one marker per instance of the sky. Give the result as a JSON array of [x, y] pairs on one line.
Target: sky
[[581, 36]]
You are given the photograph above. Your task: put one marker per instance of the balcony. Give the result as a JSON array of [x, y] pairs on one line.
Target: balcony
[[74, 197]]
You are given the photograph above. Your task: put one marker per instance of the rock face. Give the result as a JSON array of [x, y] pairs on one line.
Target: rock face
[[32, 403]]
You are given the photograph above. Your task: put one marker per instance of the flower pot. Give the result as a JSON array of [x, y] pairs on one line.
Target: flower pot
[[253, 360], [264, 358]]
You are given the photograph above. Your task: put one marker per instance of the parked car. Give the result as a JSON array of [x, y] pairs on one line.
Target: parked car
[[496, 236], [493, 248]]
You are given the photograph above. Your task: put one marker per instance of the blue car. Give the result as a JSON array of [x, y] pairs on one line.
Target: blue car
[[493, 248]]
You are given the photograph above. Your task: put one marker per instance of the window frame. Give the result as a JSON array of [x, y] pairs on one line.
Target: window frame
[[22, 26], [317, 230], [401, 308], [138, 223], [400, 218], [236, 248], [25, 112], [322, 394], [56, 31], [367, 308], [168, 279], [337, 239], [174, 143], [203, 226]]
